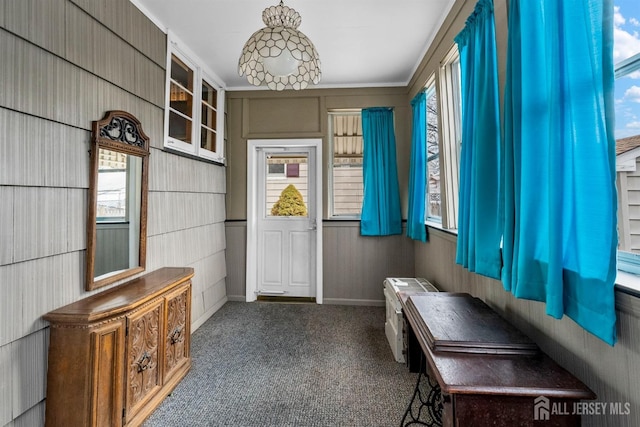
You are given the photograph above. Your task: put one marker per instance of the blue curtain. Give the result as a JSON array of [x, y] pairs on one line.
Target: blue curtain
[[479, 219], [560, 235], [381, 200], [416, 228]]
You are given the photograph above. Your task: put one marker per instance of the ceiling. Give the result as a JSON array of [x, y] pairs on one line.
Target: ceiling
[[361, 43]]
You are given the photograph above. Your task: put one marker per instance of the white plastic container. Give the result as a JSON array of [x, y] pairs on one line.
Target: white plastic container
[[394, 323]]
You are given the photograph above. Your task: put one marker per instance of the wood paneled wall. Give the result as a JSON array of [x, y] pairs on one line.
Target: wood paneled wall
[[64, 63], [354, 266], [611, 372], [304, 114]]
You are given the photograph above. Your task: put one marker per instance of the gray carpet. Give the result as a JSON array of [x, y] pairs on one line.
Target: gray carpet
[[276, 364]]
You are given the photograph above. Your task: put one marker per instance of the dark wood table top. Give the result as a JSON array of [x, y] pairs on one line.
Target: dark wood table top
[[525, 372]]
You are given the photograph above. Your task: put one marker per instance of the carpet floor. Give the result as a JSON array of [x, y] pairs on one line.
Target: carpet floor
[[303, 365]]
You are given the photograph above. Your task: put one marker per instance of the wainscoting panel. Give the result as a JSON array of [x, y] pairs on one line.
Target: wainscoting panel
[[611, 372], [354, 267], [236, 232]]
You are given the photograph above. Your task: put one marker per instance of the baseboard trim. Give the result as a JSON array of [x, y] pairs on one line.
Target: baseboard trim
[[345, 301], [331, 301]]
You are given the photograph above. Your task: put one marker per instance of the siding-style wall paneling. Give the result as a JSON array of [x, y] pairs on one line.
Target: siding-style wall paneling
[[208, 293], [33, 417], [184, 247], [40, 84], [28, 371], [32, 288], [124, 19], [202, 248], [5, 373], [10, 309], [170, 172], [6, 225], [267, 117], [37, 21], [213, 298], [172, 211], [149, 80], [610, 371], [70, 61], [36, 152], [42, 221]]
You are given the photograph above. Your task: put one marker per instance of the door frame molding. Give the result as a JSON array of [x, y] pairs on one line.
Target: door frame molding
[[253, 145]]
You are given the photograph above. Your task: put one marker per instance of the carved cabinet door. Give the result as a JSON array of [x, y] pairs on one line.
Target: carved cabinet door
[[178, 333], [144, 358]]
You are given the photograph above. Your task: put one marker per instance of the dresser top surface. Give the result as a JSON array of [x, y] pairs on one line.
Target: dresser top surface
[[121, 298]]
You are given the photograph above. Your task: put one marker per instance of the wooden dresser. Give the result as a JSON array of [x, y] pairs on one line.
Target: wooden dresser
[[114, 356]]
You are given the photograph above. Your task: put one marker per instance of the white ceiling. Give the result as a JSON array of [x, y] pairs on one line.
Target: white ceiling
[[361, 43]]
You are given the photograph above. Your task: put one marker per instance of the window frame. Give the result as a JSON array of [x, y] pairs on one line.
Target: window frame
[[200, 75], [627, 261], [450, 136]]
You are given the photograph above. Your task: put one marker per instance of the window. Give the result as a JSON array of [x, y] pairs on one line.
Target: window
[[194, 114], [450, 136], [345, 180], [627, 133], [433, 207]]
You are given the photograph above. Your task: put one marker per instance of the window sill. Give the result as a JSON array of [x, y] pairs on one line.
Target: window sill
[[193, 156], [447, 233], [628, 283]]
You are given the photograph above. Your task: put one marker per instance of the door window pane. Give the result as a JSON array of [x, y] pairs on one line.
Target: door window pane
[[287, 195]]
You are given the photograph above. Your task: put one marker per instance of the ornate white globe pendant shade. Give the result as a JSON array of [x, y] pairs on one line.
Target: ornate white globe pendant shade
[[279, 55]]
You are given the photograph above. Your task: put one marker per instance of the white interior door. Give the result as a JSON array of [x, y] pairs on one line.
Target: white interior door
[[284, 219]]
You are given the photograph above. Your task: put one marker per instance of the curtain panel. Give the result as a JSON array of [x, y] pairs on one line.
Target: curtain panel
[[560, 237], [416, 228], [480, 210], [381, 213]]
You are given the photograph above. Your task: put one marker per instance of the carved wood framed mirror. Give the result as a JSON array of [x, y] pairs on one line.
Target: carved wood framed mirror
[[117, 203]]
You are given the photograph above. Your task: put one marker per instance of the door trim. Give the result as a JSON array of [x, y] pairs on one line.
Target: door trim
[[252, 209]]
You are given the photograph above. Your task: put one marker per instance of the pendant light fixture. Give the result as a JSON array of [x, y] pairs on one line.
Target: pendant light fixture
[[278, 55]]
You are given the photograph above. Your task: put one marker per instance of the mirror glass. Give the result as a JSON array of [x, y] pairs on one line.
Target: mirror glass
[[116, 228], [117, 213]]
